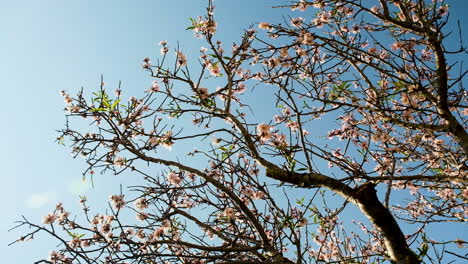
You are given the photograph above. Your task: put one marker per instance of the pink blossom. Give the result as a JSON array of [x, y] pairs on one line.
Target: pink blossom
[[117, 201], [154, 87], [174, 178], [68, 99], [229, 212], [263, 131], [214, 70], [303, 222], [75, 242], [141, 203], [375, 9], [49, 219], [265, 25], [181, 59], [55, 257], [240, 88], [142, 216], [307, 39], [293, 125], [297, 21], [164, 50], [258, 195], [202, 92], [284, 53], [119, 161]]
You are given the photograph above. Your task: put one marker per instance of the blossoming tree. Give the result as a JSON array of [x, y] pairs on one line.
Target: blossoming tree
[[276, 190]]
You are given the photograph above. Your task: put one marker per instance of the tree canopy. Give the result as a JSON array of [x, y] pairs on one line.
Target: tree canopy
[[340, 110]]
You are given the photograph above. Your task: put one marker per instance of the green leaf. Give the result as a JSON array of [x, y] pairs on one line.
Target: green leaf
[[71, 234], [423, 250], [115, 104], [98, 109], [437, 170], [300, 201]]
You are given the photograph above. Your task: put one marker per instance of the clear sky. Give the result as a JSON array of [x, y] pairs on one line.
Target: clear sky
[[52, 45]]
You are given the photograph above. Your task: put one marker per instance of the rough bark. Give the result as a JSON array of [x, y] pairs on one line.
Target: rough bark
[[367, 200], [364, 197]]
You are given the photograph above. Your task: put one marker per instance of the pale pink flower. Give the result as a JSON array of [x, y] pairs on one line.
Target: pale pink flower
[[249, 192], [263, 131], [443, 9], [154, 87], [55, 257], [278, 119], [166, 224], [191, 176], [146, 63], [202, 92], [303, 222], [181, 59], [460, 242], [117, 201], [297, 21], [273, 62], [63, 216], [229, 212], [85, 243], [164, 50], [258, 195], [396, 45], [215, 70], [372, 50], [153, 141], [119, 161], [157, 233], [216, 141], [49, 219], [167, 144], [75, 242], [355, 29], [279, 140], [142, 216], [240, 88], [264, 25], [262, 128], [106, 228], [68, 99], [301, 52], [375, 9], [141, 203], [307, 39], [293, 125], [174, 178], [384, 55]]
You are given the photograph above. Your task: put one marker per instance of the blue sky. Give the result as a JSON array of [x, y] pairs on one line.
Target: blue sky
[[51, 45]]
